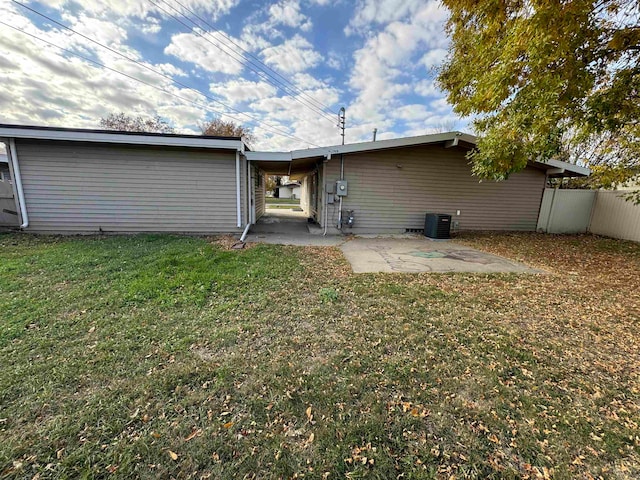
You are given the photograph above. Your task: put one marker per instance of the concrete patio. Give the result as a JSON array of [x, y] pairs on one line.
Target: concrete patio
[[409, 253], [414, 254]]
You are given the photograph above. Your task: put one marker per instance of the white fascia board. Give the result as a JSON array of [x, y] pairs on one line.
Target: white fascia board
[[88, 136], [382, 144], [568, 167], [268, 156]]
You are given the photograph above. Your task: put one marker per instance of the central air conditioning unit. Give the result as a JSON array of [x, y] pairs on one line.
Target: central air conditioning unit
[[437, 225]]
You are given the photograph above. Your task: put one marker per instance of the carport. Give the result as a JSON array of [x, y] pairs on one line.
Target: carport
[[306, 170]]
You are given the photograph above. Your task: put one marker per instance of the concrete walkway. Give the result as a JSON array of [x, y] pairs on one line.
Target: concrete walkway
[[286, 227], [419, 254]]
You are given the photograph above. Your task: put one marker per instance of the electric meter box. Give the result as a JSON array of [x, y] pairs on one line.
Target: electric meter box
[[341, 188]]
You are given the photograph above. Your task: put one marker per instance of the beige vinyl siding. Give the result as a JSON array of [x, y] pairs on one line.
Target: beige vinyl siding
[[260, 191], [391, 190], [84, 187]]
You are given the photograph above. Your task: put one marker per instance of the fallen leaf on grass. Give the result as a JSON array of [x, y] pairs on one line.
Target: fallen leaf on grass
[[173, 455], [228, 425], [193, 435]]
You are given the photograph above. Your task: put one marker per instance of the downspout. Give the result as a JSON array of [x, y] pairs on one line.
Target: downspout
[[246, 228], [238, 202], [249, 209], [245, 233], [17, 178]]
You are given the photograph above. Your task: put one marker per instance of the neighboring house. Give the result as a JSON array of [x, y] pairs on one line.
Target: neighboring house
[[5, 174], [8, 214], [289, 190], [89, 181]]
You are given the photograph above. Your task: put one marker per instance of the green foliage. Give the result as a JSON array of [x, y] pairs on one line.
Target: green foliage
[[328, 294], [547, 80]]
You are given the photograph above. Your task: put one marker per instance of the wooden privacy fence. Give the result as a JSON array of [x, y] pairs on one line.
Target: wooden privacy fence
[[597, 211]]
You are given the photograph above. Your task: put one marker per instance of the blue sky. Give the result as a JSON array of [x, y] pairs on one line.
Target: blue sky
[[374, 57]]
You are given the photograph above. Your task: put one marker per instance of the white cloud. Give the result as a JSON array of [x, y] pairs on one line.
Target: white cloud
[[41, 85], [189, 47], [387, 57], [440, 105], [370, 12], [384, 68], [238, 91], [287, 12], [140, 9], [410, 112], [103, 31], [150, 25], [334, 61], [426, 88], [434, 58], [294, 55]]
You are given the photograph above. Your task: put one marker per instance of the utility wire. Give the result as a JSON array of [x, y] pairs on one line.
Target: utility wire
[[240, 61], [254, 120], [234, 56], [198, 104], [263, 66]]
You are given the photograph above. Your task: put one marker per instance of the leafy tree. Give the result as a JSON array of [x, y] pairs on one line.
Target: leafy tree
[[270, 184], [126, 123], [548, 80], [219, 127]]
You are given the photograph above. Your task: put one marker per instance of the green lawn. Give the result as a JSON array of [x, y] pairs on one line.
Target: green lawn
[[172, 357]]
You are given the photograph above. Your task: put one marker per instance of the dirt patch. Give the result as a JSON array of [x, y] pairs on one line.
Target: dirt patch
[[227, 242]]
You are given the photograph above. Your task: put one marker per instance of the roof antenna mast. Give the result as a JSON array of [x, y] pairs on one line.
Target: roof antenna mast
[[342, 121]]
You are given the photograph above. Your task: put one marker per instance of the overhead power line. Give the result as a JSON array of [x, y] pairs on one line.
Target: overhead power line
[[234, 55], [90, 60], [263, 66], [147, 67]]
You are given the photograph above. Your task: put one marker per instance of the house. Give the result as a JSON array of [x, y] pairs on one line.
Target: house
[[289, 190], [87, 181], [84, 181], [389, 185]]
